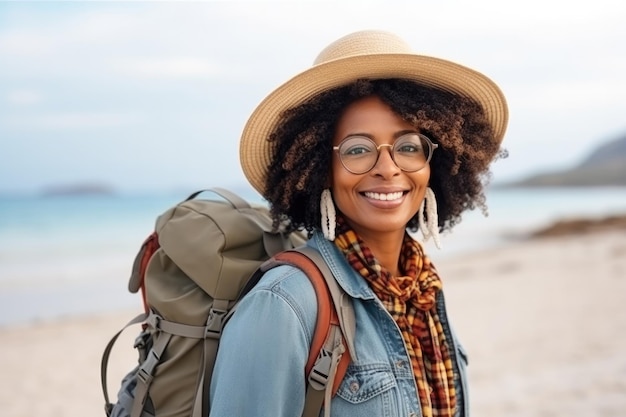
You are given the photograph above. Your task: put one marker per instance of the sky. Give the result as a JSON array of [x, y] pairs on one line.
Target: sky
[[154, 95]]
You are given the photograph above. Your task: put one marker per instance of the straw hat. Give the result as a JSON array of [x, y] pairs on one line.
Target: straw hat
[[365, 54]]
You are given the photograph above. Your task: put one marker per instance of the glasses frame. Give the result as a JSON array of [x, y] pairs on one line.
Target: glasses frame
[[431, 150]]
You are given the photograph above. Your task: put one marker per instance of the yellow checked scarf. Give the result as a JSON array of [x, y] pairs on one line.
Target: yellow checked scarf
[[410, 300]]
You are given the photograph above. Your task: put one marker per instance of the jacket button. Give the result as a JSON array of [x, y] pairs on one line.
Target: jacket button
[[354, 386]]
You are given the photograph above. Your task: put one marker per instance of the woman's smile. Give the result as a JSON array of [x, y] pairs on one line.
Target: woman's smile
[[394, 196]]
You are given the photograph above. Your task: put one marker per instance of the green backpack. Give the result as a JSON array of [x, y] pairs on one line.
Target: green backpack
[[202, 258]]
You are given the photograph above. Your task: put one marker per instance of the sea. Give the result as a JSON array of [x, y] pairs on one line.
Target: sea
[[64, 256]]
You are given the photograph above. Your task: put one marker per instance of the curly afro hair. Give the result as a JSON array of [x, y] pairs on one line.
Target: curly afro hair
[[302, 150]]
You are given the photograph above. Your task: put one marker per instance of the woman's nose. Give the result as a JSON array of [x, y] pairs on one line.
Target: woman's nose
[[385, 165]]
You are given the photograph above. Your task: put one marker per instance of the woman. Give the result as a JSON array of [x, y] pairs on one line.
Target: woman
[[370, 142]]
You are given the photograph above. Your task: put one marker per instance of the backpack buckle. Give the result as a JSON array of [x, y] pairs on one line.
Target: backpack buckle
[[146, 370], [325, 367], [215, 323], [318, 378]]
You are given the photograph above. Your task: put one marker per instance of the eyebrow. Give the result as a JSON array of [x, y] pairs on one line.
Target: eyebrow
[[372, 137]]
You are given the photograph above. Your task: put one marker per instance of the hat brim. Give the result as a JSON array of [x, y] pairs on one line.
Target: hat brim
[[255, 150]]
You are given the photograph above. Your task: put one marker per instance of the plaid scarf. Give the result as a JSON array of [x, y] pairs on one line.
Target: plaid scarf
[[410, 300]]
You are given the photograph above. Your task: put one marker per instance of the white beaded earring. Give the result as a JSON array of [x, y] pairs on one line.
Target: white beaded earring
[[329, 217], [430, 226]]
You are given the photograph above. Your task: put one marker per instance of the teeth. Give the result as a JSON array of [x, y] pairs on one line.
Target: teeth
[[384, 197]]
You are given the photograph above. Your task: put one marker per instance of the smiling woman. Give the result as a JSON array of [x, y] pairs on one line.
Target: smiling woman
[[370, 142]]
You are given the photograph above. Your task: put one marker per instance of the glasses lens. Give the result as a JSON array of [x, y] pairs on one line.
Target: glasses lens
[[358, 154], [411, 152]]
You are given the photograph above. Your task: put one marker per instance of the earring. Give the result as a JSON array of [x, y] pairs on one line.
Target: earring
[[428, 218], [329, 217]]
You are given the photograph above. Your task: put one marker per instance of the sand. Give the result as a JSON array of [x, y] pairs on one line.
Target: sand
[[545, 326], [543, 320]]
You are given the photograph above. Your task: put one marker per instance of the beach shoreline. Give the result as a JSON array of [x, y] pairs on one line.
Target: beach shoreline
[[542, 319]]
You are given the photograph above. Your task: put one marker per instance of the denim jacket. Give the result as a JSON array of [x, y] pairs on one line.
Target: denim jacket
[[260, 364]]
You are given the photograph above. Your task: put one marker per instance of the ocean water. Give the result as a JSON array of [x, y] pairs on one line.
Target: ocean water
[[72, 255]]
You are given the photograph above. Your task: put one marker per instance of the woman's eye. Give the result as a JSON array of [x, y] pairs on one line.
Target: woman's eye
[[409, 148], [357, 150]]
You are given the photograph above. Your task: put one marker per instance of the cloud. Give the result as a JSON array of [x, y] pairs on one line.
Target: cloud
[[24, 97], [68, 121], [25, 43], [569, 95], [187, 67]]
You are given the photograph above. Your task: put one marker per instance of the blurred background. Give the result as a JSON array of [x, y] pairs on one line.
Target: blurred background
[[110, 112], [152, 96]]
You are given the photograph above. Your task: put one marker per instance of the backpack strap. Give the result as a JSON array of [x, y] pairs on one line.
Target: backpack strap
[[105, 361], [145, 373], [335, 319], [213, 331], [342, 301]]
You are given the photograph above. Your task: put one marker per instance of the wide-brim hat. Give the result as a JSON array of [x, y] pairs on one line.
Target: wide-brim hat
[[366, 54]]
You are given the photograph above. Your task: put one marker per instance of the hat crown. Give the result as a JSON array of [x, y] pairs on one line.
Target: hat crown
[[367, 42]]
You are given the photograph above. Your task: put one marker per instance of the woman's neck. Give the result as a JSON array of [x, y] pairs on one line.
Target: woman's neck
[[386, 248]]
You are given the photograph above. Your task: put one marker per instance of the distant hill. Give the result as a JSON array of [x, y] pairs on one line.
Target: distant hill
[[605, 166], [79, 189]]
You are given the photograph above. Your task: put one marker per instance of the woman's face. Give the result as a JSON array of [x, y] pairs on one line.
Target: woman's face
[[384, 199]]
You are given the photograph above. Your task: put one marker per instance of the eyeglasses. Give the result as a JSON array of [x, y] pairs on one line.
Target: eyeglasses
[[410, 152]]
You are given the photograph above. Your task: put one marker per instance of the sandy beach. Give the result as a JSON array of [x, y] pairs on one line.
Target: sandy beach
[[543, 320]]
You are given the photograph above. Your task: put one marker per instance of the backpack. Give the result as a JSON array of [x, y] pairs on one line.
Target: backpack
[[202, 258]]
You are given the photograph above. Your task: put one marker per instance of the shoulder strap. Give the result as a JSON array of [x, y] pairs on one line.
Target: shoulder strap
[[342, 301], [335, 328]]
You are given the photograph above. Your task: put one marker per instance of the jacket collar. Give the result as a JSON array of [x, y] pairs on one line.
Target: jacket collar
[[351, 282]]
